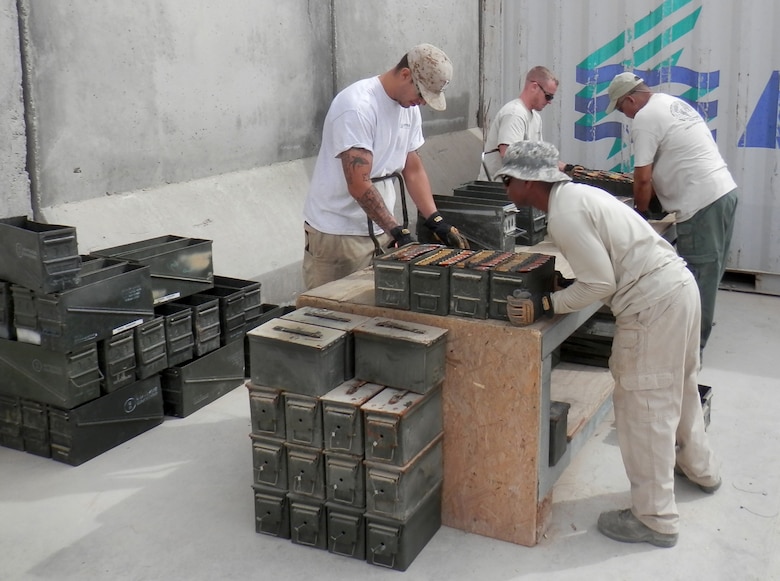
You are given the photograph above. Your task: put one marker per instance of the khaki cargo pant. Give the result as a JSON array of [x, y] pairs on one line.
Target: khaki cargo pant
[[329, 257], [658, 412]]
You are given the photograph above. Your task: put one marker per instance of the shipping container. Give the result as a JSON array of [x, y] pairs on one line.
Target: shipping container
[[723, 58]]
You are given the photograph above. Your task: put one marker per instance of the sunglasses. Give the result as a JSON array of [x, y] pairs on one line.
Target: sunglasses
[[548, 96], [619, 103]]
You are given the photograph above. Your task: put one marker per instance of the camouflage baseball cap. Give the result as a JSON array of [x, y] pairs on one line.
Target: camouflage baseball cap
[[431, 72], [535, 161]]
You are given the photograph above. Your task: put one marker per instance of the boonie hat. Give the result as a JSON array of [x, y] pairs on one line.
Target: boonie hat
[[620, 86], [535, 161], [431, 72]]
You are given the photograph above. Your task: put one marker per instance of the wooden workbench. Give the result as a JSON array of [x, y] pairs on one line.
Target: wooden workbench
[[497, 389]]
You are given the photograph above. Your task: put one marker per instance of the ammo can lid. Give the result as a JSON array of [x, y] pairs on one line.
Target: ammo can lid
[[353, 392], [392, 329], [393, 401], [326, 318], [296, 333]]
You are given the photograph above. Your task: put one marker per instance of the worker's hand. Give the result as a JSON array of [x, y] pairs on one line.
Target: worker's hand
[[401, 237], [560, 282], [523, 308], [445, 233]]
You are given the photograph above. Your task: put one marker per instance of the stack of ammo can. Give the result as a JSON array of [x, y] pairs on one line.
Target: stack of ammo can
[[434, 279], [96, 349], [347, 433], [69, 390]]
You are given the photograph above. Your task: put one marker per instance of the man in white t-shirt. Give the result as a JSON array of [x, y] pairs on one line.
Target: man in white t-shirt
[[372, 130], [618, 259], [677, 160], [518, 120]]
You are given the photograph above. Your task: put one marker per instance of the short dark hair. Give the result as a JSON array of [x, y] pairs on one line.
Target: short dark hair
[[403, 63]]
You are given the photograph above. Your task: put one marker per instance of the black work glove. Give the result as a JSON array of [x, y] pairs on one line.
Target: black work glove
[[401, 237], [445, 233], [523, 307]]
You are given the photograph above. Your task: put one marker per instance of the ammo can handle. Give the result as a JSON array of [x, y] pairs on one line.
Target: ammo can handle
[[394, 325], [312, 334], [327, 315]]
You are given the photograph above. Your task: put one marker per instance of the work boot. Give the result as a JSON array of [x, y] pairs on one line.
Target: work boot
[[623, 526], [708, 489]]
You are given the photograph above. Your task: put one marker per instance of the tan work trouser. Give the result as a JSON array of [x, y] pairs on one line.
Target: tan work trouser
[[329, 257], [655, 362]]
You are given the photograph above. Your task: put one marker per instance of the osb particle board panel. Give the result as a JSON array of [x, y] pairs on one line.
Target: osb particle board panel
[[491, 401]]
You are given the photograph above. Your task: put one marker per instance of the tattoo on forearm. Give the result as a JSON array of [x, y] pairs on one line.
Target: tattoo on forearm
[[357, 171], [374, 206]]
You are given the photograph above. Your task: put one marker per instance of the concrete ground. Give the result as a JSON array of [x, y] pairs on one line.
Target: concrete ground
[[176, 502]]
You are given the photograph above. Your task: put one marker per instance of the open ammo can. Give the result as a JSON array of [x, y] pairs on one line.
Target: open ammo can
[[11, 422], [205, 322], [531, 222], [190, 386], [470, 283], [391, 274], [80, 434], [151, 355], [112, 296], [533, 272], [179, 337], [399, 354], [6, 312], [429, 280], [487, 223], [179, 266], [250, 290], [232, 312], [42, 257], [297, 357], [116, 356], [66, 380]]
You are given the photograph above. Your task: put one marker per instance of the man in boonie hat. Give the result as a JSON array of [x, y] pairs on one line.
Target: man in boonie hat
[[618, 259], [677, 160], [372, 131]]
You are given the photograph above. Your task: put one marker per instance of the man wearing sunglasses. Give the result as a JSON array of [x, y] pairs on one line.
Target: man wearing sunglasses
[[677, 160], [518, 120]]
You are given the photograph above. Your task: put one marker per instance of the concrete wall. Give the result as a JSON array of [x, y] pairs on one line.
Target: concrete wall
[[14, 185], [201, 118]]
